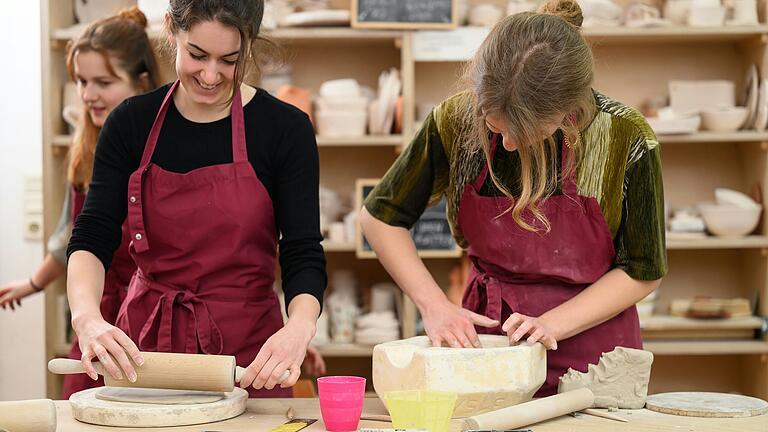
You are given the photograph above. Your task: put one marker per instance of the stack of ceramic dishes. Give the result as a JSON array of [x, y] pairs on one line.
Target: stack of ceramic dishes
[[340, 109]]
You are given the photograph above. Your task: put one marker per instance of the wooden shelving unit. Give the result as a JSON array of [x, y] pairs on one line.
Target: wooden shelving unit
[[632, 64]]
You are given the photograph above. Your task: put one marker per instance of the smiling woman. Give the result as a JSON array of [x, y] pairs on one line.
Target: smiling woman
[[209, 173]]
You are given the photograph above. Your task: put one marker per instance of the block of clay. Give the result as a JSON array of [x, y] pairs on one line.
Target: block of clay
[[619, 380], [485, 379]]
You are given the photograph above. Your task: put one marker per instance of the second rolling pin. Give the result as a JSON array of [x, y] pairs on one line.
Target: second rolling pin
[[170, 371], [531, 412]]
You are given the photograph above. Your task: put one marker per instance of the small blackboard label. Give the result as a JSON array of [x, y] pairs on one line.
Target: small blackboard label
[[404, 14], [431, 233]]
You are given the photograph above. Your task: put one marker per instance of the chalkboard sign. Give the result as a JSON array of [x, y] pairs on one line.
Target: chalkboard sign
[[404, 14], [431, 233]]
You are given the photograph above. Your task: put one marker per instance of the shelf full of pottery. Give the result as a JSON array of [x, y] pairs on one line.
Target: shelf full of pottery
[[699, 318], [710, 105], [347, 329], [343, 111], [732, 216]]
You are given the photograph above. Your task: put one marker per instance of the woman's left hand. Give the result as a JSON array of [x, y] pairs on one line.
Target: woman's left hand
[[283, 351], [518, 326]]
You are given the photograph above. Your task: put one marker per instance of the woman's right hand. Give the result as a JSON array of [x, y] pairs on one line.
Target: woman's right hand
[[12, 293], [109, 345], [454, 325]]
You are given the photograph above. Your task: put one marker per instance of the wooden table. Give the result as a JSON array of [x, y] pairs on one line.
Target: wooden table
[[264, 414]]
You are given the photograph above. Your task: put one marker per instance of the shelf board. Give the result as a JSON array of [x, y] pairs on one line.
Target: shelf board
[[749, 242], [62, 140], [715, 137], [675, 34], [345, 350], [363, 141], [667, 322], [604, 34], [334, 34], [297, 34], [338, 246], [706, 347]]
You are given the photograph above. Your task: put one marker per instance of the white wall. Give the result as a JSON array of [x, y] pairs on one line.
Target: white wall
[[22, 337]]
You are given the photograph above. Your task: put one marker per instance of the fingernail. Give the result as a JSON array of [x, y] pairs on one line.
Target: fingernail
[[132, 377], [140, 361], [119, 376]]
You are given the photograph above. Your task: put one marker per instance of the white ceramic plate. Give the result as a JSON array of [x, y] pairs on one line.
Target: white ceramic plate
[[762, 107], [750, 95]]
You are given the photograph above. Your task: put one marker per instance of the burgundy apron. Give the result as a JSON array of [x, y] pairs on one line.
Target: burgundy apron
[[205, 243], [514, 270], [116, 282]]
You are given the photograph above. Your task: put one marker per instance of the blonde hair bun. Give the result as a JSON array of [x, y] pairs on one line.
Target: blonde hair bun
[[134, 14], [568, 10]]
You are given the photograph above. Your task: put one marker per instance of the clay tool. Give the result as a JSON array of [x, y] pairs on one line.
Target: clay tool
[[531, 412], [603, 414], [294, 425], [170, 371], [38, 415]]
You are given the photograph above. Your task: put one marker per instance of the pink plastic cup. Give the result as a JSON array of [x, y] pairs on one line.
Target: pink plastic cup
[[341, 402]]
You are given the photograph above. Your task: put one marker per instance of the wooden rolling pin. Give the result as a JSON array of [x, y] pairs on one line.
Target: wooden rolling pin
[[532, 412], [37, 415], [170, 371]]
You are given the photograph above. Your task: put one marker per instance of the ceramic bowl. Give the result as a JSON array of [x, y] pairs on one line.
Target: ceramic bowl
[[729, 221], [725, 119]]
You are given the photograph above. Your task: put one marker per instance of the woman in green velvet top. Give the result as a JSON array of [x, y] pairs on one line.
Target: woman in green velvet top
[[564, 227]]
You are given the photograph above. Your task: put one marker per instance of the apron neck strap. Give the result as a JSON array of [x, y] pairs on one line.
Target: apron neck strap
[[239, 149], [480, 180], [568, 179]]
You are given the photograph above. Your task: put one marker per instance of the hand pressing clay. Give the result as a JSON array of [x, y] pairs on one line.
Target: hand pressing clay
[[619, 380]]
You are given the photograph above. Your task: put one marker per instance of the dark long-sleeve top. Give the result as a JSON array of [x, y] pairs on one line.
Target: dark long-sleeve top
[[281, 148]]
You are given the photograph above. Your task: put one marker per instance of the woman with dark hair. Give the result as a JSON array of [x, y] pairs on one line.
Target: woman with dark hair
[[554, 189], [110, 61], [212, 175]]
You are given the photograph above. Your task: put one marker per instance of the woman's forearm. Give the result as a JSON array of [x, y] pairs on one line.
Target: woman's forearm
[[601, 301], [396, 251], [48, 271], [85, 285]]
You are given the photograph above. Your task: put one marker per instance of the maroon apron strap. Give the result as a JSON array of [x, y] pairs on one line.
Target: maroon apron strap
[[239, 148], [135, 207], [480, 180]]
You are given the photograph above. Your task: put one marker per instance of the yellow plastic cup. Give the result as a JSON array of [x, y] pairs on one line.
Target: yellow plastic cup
[[420, 409]]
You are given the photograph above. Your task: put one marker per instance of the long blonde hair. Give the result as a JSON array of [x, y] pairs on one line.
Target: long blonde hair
[[531, 67], [121, 37]]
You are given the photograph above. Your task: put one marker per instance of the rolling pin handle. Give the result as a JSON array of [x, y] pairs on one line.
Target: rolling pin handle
[[239, 372], [61, 366]]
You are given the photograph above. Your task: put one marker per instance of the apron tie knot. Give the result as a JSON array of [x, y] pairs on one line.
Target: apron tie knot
[[157, 332]]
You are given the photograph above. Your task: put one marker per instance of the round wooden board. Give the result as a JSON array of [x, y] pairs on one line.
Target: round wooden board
[[88, 409], [703, 404]]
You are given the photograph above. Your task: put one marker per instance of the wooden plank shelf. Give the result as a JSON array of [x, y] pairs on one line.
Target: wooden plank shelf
[[706, 347], [363, 141], [715, 137], [664, 327], [338, 246], [345, 350], [675, 34], [298, 34], [748, 242]]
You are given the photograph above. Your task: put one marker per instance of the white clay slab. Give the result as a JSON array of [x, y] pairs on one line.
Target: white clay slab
[[158, 396], [485, 379], [704, 404], [87, 408]]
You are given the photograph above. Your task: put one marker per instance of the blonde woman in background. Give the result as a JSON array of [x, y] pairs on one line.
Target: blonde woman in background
[[554, 189], [110, 61]]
